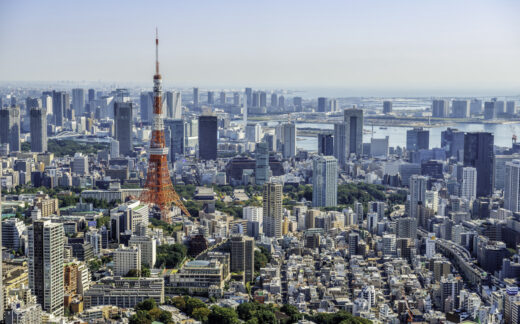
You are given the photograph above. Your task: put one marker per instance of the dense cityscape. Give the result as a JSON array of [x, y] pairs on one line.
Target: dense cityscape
[[147, 203]]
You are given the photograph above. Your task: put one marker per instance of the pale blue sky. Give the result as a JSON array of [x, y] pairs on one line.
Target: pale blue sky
[[387, 44]]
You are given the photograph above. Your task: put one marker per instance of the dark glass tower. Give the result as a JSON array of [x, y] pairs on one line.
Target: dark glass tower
[[208, 132], [478, 153]]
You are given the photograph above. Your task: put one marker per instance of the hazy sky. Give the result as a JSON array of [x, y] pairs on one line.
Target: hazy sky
[[388, 44]]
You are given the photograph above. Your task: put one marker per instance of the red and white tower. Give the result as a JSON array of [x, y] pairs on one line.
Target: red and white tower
[[159, 189]]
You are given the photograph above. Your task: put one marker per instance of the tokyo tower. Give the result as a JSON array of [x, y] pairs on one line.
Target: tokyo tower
[[158, 188]]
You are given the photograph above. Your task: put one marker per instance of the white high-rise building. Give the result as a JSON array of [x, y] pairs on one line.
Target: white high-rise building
[[80, 164], [417, 193], [253, 132], [253, 214], [272, 210], [325, 181], [126, 259], [430, 246], [46, 242], [147, 247], [78, 102], [389, 247], [114, 149], [512, 186], [289, 140], [469, 183], [173, 104], [432, 200]]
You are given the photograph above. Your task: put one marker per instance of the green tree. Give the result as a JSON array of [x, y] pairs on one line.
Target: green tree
[[193, 303], [201, 314], [223, 315], [246, 311], [146, 305]]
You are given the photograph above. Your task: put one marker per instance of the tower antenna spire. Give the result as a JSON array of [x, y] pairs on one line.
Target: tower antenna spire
[[156, 51]]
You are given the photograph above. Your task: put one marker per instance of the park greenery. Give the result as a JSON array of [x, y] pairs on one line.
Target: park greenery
[[147, 312], [170, 255], [66, 147], [262, 257]]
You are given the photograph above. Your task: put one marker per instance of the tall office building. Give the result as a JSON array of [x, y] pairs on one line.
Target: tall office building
[[211, 98], [298, 103], [452, 141], [208, 134], [126, 259], [475, 107], [78, 102], [243, 256], [146, 106], [176, 141], [123, 127], [173, 104], [441, 108], [406, 227], [274, 100], [46, 242], [249, 97], [91, 95], [478, 153], [262, 163], [263, 99], [325, 144], [354, 131], [417, 139], [460, 108], [196, 97], [325, 181], [468, 189], [38, 130], [10, 128], [281, 101], [490, 110], [60, 107], [272, 208], [340, 143], [418, 186], [512, 186], [289, 140], [511, 107], [387, 107], [322, 104]]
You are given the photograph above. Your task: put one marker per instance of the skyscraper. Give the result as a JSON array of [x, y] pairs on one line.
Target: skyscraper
[[322, 104], [417, 193], [177, 129], [91, 95], [272, 208], [417, 139], [489, 110], [511, 107], [123, 126], [460, 108], [478, 153], [354, 131], [173, 104], [211, 98], [340, 143], [243, 256], [208, 133], [146, 106], [46, 241], [387, 107], [440, 108], [78, 102], [452, 141], [274, 100], [262, 163], [10, 128], [325, 181], [38, 130], [512, 186], [196, 97], [468, 189], [263, 99], [289, 140], [325, 144], [222, 99], [249, 99], [60, 105]]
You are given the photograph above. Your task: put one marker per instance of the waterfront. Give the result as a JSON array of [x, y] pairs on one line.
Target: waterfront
[[397, 135]]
